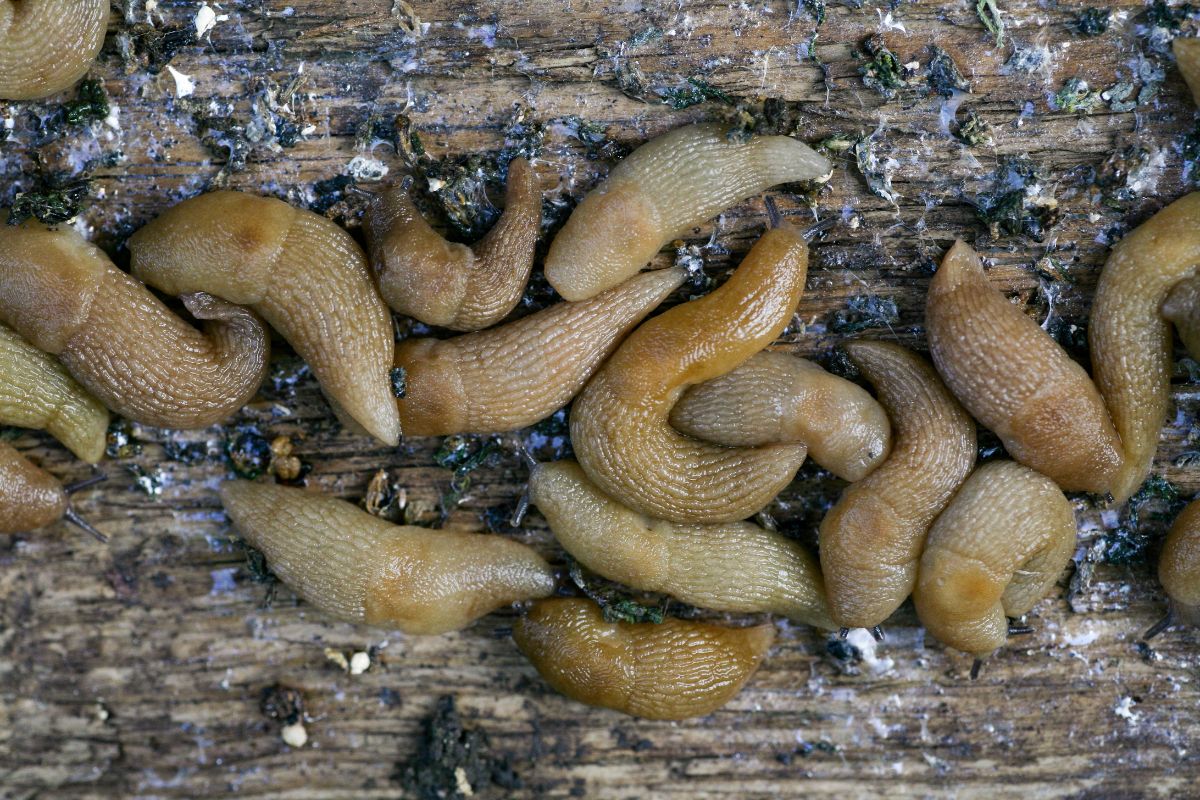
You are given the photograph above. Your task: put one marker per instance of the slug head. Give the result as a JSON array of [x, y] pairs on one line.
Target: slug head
[[29, 497]]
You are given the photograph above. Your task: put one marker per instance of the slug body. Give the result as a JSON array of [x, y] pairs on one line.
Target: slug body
[[359, 568], [1179, 566], [47, 45], [672, 670], [514, 375], [659, 193], [63, 296], [30, 497], [36, 391], [871, 540], [1187, 56], [777, 397], [619, 425], [1182, 308], [994, 553], [1129, 337], [1018, 381], [422, 275], [736, 566], [306, 276]]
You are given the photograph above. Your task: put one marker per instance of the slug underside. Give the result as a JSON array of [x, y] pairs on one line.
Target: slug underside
[[47, 45]]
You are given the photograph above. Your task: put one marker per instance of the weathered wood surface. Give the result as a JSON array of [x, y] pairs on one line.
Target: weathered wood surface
[[134, 669]]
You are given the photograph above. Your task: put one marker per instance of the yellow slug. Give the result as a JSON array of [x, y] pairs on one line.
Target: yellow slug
[[1179, 570], [47, 45], [1182, 308]]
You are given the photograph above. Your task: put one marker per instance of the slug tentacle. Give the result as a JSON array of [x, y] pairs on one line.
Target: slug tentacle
[[1130, 339], [871, 540], [994, 553], [736, 566], [619, 423], [1182, 308], [673, 670], [36, 391], [359, 568], [31, 498], [422, 275], [522, 372], [660, 192], [1187, 56], [305, 275], [46, 46], [1016, 380], [1179, 568], [63, 296], [777, 397]]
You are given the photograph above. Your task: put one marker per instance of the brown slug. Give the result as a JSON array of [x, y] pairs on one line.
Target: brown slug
[[672, 670], [871, 540], [463, 288], [1016, 380], [994, 553], [357, 567], [306, 276], [31, 498], [665, 188], [1182, 308], [47, 45], [1187, 57], [734, 566], [63, 296], [516, 374], [777, 397], [619, 422], [1179, 571]]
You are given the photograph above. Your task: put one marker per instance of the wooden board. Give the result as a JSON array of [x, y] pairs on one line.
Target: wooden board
[[135, 669]]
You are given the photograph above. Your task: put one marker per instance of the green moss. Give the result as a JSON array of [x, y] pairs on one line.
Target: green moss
[[694, 92], [50, 204], [1076, 97], [989, 14], [882, 71], [90, 103], [616, 604]]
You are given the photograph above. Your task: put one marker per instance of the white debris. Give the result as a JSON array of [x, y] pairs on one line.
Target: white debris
[[886, 23], [461, 783], [184, 85], [862, 640], [365, 168], [360, 662], [338, 658], [113, 120], [206, 20], [1124, 708], [294, 735]]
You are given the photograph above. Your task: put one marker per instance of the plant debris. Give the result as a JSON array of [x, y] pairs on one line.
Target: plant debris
[[1157, 500], [882, 71], [944, 76], [120, 441], [693, 92], [989, 14], [90, 103], [877, 175], [863, 312], [974, 130], [1018, 205], [616, 605], [454, 762], [464, 455], [1075, 97], [1092, 21], [145, 47], [51, 204]]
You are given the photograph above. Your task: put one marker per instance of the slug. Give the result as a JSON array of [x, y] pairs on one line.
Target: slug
[[422, 275], [63, 296], [46, 46], [672, 670], [1187, 56], [619, 425], [516, 374], [1016, 380], [357, 567], [871, 539], [31, 498], [1179, 571], [736, 566], [36, 391], [777, 397], [306, 276], [659, 193], [1182, 308], [994, 553], [1131, 341]]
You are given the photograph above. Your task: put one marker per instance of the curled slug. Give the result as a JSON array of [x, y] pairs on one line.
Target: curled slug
[[306, 276], [619, 425], [673, 670], [31, 498], [1182, 308], [736, 566], [871, 539], [422, 275], [777, 397], [359, 568], [1179, 571], [63, 296], [1187, 56], [36, 391], [1131, 341], [46, 46], [994, 553], [514, 375], [659, 193], [1016, 380]]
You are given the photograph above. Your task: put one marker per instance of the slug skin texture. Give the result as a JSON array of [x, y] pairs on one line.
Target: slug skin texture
[[1187, 57], [673, 670], [359, 568], [994, 553], [1016, 380], [514, 375], [871, 540], [662, 191], [619, 423], [29, 497], [735, 566], [1129, 337], [306, 276], [1179, 565], [48, 45], [423, 276], [777, 397], [62, 295]]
